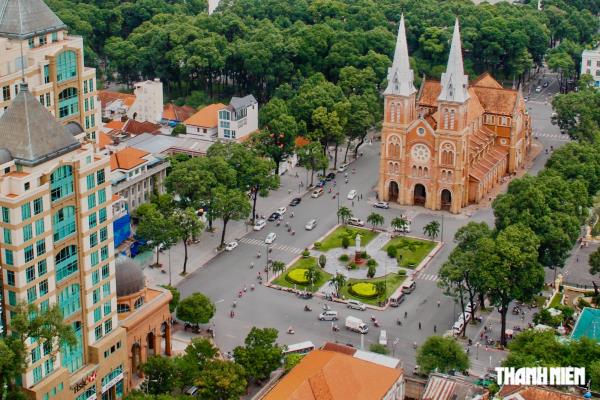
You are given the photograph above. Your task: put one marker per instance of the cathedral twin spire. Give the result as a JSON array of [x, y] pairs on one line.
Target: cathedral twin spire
[[401, 76]]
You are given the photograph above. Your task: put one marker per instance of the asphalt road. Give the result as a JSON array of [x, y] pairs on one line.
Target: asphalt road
[[229, 272]]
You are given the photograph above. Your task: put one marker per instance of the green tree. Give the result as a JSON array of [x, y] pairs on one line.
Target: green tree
[[432, 229], [230, 204], [322, 260], [338, 282], [311, 157], [277, 138], [158, 231], [380, 287], [312, 274], [221, 380], [176, 295], [178, 130], [277, 267], [344, 213], [188, 227], [160, 375], [400, 223], [196, 309], [291, 360], [375, 219], [378, 348], [511, 269], [441, 354], [327, 129], [261, 355]]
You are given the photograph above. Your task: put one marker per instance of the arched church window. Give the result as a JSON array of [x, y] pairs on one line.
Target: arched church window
[[445, 118], [393, 112], [451, 119], [414, 170]]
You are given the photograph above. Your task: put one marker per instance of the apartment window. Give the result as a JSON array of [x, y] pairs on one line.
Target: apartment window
[[35, 355], [72, 356], [98, 332], [93, 239], [37, 374], [92, 221], [47, 349], [42, 99], [91, 182], [29, 253], [103, 234], [61, 182], [100, 176], [94, 258], [92, 120], [10, 278], [66, 262], [66, 65], [92, 201], [38, 206], [102, 215], [95, 277], [42, 268], [91, 103], [48, 100], [87, 122], [104, 253], [97, 314], [68, 102], [44, 305], [39, 226], [96, 296], [31, 43], [30, 274], [27, 233], [107, 308], [8, 257], [503, 121], [85, 87], [589, 63], [105, 271], [101, 195], [5, 215], [54, 37], [108, 326], [69, 300], [48, 366], [32, 294], [43, 40], [106, 289], [63, 223], [7, 236], [43, 287], [12, 298], [26, 186], [47, 80], [122, 308], [91, 85], [86, 105], [138, 303], [40, 247], [6, 93], [26, 211]]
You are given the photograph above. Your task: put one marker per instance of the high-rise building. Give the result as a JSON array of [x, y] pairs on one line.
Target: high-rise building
[[35, 47], [56, 247]]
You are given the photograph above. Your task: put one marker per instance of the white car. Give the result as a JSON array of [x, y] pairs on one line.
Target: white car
[[310, 225], [356, 221], [342, 168], [538, 89], [270, 238], [382, 204], [351, 194], [259, 224], [317, 193], [383, 338], [281, 210], [356, 305], [231, 245]]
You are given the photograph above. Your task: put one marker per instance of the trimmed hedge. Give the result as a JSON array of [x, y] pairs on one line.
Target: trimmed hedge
[[344, 258], [297, 276], [365, 290]]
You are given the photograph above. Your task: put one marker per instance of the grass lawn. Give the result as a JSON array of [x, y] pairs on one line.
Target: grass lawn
[[302, 263], [410, 252], [393, 281], [334, 239], [556, 300]]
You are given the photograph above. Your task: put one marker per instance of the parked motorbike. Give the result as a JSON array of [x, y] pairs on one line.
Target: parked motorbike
[[307, 308]]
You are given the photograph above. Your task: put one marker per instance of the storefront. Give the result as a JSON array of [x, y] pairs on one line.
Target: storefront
[[112, 384]]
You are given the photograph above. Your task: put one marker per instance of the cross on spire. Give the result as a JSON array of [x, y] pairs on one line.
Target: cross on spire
[[454, 80], [400, 76]]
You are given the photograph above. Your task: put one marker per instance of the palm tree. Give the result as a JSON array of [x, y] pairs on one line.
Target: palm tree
[[277, 267], [345, 214], [338, 282], [313, 274], [400, 223], [375, 220], [380, 287], [432, 229]]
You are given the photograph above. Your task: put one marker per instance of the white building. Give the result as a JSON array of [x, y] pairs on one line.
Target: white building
[[148, 104], [590, 64], [204, 123], [238, 119], [212, 5]]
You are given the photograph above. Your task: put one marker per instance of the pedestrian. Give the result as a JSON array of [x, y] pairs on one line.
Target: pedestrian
[[419, 325], [438, 303], [352, 203], [481, 335], [405, 314], [434, 328], [577, 258]]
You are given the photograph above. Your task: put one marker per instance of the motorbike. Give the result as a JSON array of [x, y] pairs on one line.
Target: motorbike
[[258, 255], [398, 321], [234, 304], [335, 328], [376, 324], [231, 314], [307, 308], [252, 287], [290, 331]]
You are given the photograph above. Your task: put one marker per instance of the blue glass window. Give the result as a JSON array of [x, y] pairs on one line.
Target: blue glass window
[[69, 300], [5, 215], [28, 253], [37, 374], [7, 236], [8, 257], [61, 182], [68, 102], [39, 226], [72, 356], [66, 262], [26, 211], [63, 223], [10, 278], [66, 65], [27, 233]]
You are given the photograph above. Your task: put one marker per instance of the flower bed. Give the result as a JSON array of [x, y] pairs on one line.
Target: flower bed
[[393, 281], [363, 290]]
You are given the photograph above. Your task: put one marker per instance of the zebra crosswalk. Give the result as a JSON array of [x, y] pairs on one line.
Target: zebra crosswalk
[[428, 277], [555, 136], [276, 246]]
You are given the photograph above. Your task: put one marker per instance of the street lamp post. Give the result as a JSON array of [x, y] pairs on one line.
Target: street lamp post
[[394, 344], [338, 205], [442, 228], [169, 266], [477, 351]]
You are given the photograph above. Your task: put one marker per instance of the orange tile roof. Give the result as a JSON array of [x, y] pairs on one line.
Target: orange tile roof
[[534, 393], [496, 101], [340, 348], [117, 125], [104, 140], [128, 158], [330, 375], [430, 93], [207, 117], [108, 96], [486, 80], [172, 112], [115, 197], [134, 127]]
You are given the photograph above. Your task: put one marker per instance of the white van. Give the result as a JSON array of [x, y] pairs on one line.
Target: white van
[[357, 305], [383, 338], [328, 315], [310, 225], [351, 194], [396, 299], [356, 325], [409, 288]]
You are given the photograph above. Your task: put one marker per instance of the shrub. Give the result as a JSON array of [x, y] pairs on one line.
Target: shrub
[[178, 130], [317, 245], [345, 242], [371, 271], [582, 303], [378, 348], [352, 265], [364, 290], [391, 251], [297, 276], [322, 260], [363, 254], [306, 253], [371, 262], [344, 258], [402, 272]]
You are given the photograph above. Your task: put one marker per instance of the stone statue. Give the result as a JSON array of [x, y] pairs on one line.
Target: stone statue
[[357, 239]]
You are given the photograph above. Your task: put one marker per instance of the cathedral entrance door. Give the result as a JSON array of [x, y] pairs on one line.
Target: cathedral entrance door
[[446, 200], [420, 195], [393, 191]]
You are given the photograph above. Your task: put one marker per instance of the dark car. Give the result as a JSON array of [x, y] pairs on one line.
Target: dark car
[[274, 217], [322, 183], [545, 84], [295, 201], [330, 176]]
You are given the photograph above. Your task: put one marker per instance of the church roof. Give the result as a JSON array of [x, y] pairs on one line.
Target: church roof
[[486, 80], [400, 76], [429, 93], [22, 19], [496, 101], [454, 80], [31, 133]]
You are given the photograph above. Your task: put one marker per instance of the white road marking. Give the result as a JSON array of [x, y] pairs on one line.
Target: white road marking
[[219, 301]]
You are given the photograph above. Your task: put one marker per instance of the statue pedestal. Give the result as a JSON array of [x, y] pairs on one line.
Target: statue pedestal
[[357, 258]]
